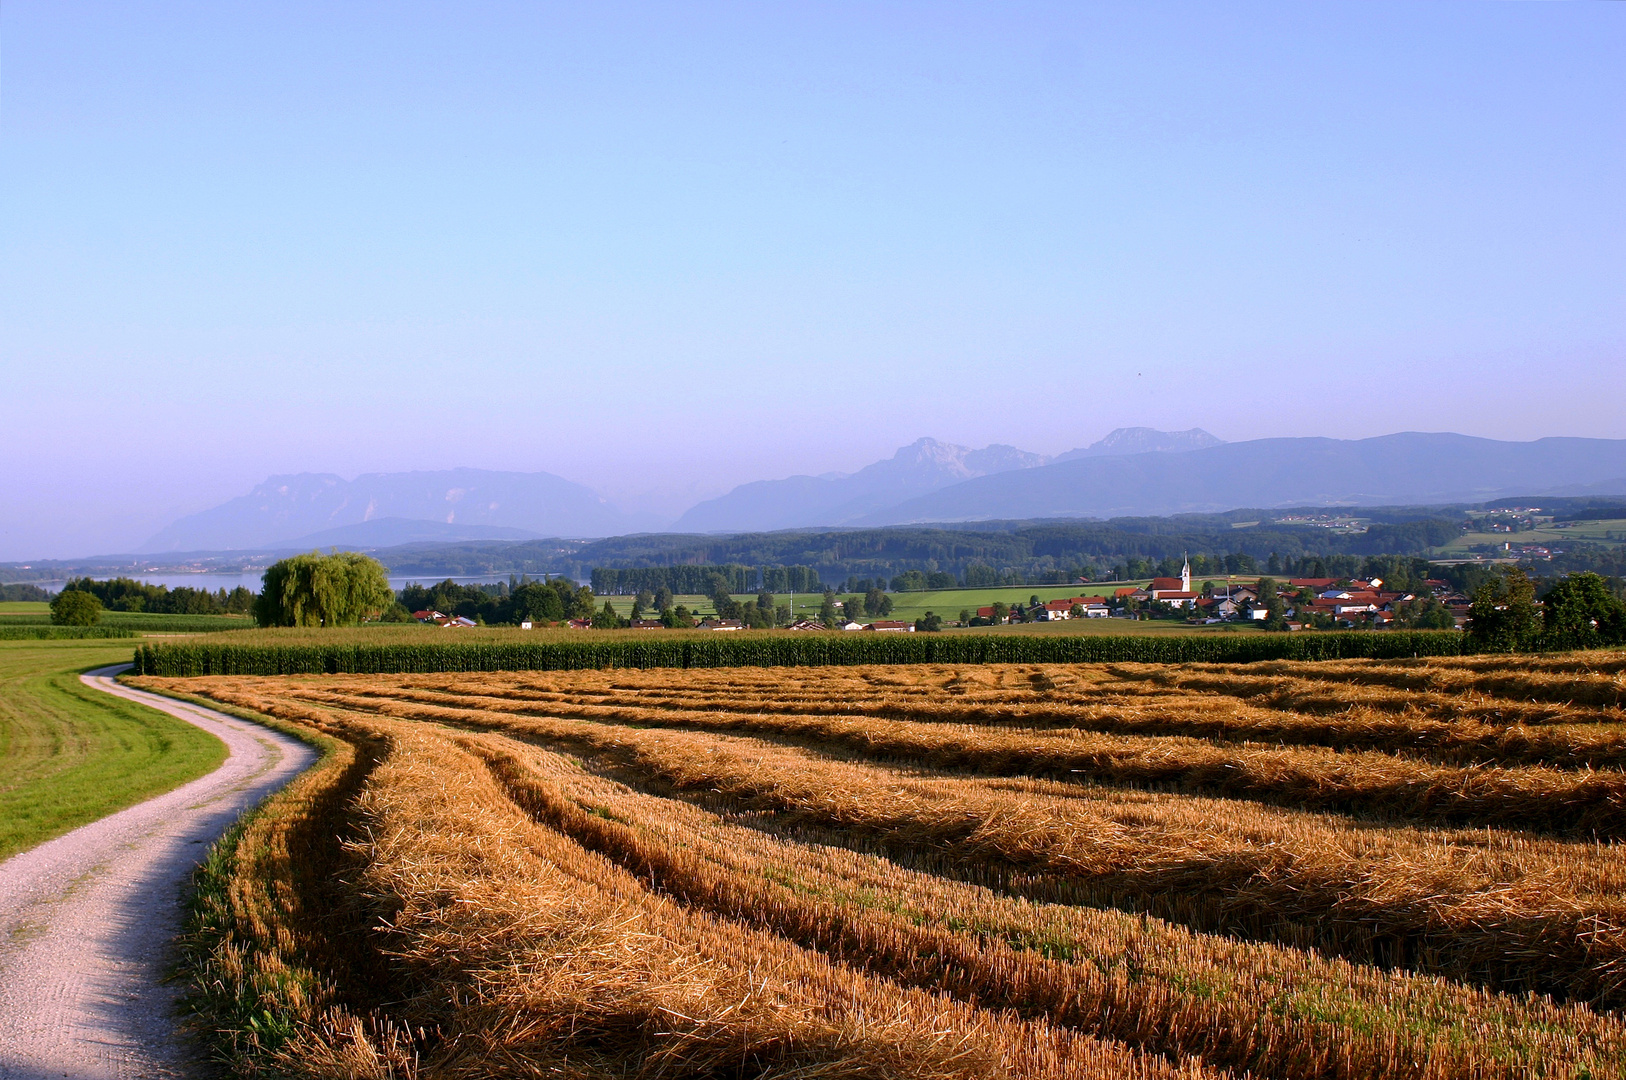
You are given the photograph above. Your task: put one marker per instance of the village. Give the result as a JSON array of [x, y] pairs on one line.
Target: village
[[1319, 603]]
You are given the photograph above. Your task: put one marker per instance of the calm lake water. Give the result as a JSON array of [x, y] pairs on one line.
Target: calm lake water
[[252, 581]]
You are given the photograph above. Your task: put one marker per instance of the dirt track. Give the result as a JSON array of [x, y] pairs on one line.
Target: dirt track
[[87, 921]]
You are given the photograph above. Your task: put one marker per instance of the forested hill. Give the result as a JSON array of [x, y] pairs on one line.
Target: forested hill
[[1031, 549]]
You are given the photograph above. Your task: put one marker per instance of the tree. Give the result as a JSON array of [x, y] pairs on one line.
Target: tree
[[873, 599], [929, 623], [827, 610], [727, 607], [396, 613], [1581, 613], [663, 599], [1000, 611], [340, 589], [678, 618], [74, 608], [642, 603], [607, 619], [965, 616], [1270, 600], [853, 609], [1424, 613], [1503, 615]]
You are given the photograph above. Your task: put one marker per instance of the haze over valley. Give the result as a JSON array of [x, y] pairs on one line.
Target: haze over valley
[[1131, 471]]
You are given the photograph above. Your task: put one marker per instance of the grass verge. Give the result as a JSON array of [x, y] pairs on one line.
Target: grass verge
[[70, 755]]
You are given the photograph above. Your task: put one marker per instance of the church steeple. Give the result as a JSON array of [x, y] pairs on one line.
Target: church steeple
[[1185, 575]]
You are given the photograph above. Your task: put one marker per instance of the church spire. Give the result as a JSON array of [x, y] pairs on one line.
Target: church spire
[[1185, 574]]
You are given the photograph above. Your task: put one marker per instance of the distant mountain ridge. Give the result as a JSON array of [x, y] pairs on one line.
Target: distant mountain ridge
[[385, 508], [922, 467], [1143, 440], [1132, 471], [1409, 468]]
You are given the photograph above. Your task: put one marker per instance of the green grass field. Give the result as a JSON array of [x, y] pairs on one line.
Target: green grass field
[[25, 607], [30, 614], [1603, 530], [912, 605], [70, 754]]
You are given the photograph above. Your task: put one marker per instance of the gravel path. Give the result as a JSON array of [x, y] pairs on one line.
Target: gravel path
[[88, 920]]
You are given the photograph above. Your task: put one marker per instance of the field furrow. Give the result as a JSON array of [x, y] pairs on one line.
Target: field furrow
[[1085, 870], [1373, 784]]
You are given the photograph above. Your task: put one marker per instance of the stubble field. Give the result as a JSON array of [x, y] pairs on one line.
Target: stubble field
[[1342, 869]]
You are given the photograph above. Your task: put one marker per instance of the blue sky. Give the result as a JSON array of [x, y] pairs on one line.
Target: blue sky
[[666, 249]]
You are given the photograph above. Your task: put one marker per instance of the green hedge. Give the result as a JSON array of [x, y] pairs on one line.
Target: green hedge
[[52, 633], [214, 657]]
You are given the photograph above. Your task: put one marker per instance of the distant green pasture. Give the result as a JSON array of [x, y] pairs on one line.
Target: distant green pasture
[[912, 605], [1601, 530]]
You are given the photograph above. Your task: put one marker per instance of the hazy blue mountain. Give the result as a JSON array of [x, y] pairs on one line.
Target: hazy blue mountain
[[921, 467], [468, 503], [1143, 440], [1407, 468]]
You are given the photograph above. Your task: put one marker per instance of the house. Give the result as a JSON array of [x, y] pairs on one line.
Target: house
[[891, 625], [987, 613], [1097, 611], [1175, 597], [1054, 609], [721, 624], [581, 624], [805, 624], [453, 624], [526, 625], [428, 616], [648, 624]]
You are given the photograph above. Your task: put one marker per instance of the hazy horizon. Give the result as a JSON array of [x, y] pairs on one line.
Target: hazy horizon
[[662, 251]]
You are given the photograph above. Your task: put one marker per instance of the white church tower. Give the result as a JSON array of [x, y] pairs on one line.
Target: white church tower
[[1185, 575]]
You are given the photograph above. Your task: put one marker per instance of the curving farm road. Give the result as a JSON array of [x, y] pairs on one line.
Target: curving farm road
[[88, 920]]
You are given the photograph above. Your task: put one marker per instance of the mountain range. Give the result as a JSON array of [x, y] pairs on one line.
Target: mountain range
[[377, 509], [1132, 471]]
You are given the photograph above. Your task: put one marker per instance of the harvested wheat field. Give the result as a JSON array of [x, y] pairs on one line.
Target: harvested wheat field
[[1341, 869]]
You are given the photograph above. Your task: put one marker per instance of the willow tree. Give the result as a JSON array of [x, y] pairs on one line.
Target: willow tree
[[339, 589]]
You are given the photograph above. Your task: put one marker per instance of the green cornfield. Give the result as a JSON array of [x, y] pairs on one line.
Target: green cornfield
[[57, 633], [216, 657]]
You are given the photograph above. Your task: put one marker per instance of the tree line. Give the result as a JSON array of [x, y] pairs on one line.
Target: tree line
[[127, 594], [700, 580]]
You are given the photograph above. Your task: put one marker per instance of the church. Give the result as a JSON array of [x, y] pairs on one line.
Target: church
[[1174, 591]]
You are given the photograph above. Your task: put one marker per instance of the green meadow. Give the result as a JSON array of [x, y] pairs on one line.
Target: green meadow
[[70, 754]]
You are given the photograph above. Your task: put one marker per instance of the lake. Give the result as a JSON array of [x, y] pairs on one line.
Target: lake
[[251, 581]]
